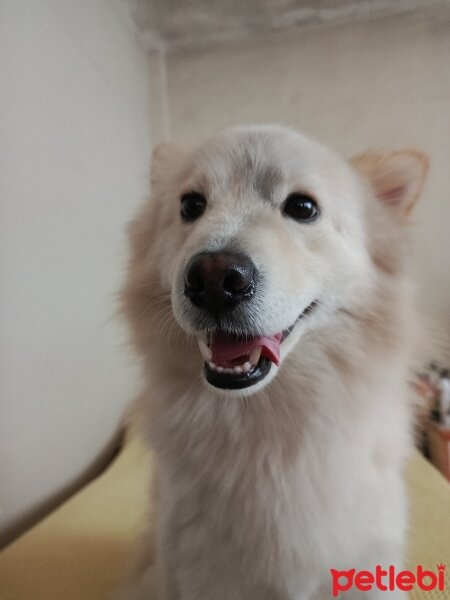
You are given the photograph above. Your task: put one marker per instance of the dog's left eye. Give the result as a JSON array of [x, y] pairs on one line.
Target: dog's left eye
[[193, 205], [301, 207]]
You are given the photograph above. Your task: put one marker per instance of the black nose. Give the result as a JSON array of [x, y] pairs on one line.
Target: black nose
[[219, 280]]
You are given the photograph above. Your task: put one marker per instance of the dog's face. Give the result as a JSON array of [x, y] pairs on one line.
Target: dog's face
[[259, 236]]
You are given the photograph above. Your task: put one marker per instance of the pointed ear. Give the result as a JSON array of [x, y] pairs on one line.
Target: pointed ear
[[165, 158], [397, 177]]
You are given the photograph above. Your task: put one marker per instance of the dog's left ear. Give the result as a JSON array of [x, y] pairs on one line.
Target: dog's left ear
[[397, 177]]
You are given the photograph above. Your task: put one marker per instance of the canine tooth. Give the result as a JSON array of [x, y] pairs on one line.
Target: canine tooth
[[212, 366], [255, 355], [206, 352], [203, 335], [247, 366], [238, 370]]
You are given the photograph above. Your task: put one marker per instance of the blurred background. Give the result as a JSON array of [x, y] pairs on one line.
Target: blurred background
[[87, 87]]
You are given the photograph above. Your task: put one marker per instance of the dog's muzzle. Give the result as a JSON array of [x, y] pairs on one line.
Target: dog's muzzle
[[216, 283]]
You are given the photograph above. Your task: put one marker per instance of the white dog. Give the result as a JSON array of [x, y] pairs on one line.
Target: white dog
[[269, 299]]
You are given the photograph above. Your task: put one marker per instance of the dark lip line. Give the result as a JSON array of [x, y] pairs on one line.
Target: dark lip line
[[305, 313]]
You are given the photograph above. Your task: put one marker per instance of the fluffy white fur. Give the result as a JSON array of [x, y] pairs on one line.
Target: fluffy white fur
[[258, 493]]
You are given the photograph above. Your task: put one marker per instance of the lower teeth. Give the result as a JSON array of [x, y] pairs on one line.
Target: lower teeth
[[245, 368]]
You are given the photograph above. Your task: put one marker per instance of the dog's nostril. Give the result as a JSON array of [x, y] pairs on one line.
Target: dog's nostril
[[236, 281], [194, 281]]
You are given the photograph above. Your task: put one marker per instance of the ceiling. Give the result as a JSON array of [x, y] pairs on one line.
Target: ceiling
[[183, 24]]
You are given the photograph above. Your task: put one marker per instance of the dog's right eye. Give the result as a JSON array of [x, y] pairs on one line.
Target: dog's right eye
[[193, 205]]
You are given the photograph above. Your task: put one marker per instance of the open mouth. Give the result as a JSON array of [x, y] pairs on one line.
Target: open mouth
[[235, 362]]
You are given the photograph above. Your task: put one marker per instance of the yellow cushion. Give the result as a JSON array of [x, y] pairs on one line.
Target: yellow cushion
[[79, 552]]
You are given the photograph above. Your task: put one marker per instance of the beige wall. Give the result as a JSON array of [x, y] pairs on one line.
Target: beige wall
[[74, 153], [384, 83]]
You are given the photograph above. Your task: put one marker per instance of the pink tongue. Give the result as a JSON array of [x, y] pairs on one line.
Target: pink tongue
[[226, 348]]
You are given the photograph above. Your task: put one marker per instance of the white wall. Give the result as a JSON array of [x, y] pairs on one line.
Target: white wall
[[74, 155], [74, 150], [383, 83]]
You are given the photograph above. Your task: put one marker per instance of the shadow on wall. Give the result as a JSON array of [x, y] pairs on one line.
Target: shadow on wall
[[107, 456]]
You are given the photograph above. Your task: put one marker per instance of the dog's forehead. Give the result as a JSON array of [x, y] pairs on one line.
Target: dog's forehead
[[261, 159], [240, 160]]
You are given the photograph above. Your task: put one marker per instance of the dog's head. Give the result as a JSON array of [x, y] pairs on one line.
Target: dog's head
[[256, 237]]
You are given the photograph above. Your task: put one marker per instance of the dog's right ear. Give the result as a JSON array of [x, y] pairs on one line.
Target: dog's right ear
[[165, 158]]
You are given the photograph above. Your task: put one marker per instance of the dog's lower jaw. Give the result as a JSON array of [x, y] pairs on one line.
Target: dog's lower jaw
[[239, 381]]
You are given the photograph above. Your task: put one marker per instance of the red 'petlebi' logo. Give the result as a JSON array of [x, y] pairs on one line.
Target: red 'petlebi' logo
[[388, 580]]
